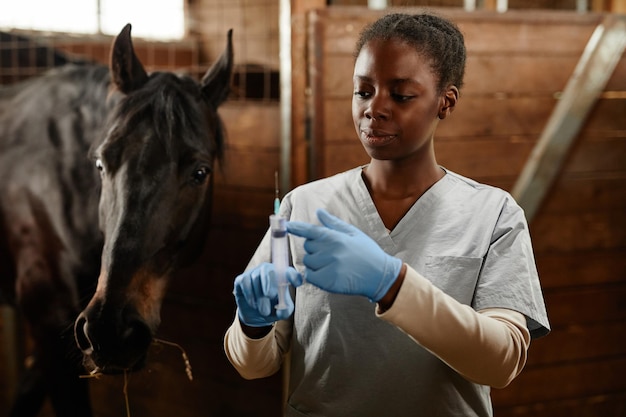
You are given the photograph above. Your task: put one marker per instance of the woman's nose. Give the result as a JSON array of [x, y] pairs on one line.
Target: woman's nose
[[378, 109]]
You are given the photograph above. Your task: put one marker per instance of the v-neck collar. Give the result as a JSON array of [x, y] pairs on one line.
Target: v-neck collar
[[424, 203]]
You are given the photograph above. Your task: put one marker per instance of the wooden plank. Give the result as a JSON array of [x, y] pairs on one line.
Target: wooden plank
[[514, 116], [586, 305], [338, 158], [597, 192], [504, 158], [526, 115], [602, 155], [589, 267], [154, 55], [589, 78], [474, 158], [505, 74], [492, 158], [593, 160], [612, 404], [617, 82], [578, 342], [564, 381], [607, 116], [258, 169], [499, 36], [251, 125], [498, 116], [489, 116], [567, 232], [502, 75], [242, 207], [517, 75], [513, 32], [587, 184]]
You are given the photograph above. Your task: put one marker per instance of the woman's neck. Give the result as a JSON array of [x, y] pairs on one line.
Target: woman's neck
[[395, 190]]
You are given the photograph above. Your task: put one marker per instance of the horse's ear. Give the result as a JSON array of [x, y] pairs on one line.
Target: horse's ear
[[216, 81], [127, 72]]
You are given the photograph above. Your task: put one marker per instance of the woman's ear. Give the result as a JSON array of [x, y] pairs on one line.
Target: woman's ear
[[450, 98]]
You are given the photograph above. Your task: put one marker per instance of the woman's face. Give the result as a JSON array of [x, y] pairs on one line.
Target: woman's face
[[396, 105]]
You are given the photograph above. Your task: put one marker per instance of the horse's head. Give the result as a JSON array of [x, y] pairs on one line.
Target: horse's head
[[156, 161]]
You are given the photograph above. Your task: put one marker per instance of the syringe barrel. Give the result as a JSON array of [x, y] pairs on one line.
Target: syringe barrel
[[278, 224], [280, 255]]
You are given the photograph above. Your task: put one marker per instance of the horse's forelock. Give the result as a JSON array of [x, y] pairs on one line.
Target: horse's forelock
[[175, 107]]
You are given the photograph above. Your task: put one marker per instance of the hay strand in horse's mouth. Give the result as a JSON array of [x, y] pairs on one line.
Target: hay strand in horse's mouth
[[126, 394], [93, 374], [184, 354]]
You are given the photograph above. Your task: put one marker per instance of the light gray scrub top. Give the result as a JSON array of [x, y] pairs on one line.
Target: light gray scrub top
[[470, 240]]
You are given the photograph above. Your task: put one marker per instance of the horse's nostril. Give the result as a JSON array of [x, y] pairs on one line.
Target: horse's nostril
[[81, 335], [137, 335]]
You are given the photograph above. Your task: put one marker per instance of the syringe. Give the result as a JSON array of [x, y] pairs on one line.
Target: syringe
[[280, 250], [280, 256]]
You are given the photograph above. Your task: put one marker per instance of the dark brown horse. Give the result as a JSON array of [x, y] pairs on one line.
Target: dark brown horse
[[87, 244]]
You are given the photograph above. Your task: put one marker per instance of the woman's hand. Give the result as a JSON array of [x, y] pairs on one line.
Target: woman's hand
[[342, 259], [256, 295]]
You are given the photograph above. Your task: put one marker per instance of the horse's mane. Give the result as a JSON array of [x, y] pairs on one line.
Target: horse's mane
[[77, 89]]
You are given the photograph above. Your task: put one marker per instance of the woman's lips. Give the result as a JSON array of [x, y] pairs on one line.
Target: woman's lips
[[377, 138]]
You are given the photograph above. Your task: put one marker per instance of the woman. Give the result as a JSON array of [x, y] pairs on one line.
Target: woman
[[447, 261]]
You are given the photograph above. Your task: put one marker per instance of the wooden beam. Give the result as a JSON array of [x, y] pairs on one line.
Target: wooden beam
[[294, 141], [597, 63], [297, 135]]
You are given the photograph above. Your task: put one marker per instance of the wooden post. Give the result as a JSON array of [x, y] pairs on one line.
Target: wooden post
[[299, 89], [293, 96]]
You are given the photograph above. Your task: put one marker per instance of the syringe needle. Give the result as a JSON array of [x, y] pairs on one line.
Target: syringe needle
[[276, 182], [276, 196]]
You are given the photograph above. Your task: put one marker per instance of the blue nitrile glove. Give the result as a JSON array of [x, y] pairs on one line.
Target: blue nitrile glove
[[342, 259], [256, 294]]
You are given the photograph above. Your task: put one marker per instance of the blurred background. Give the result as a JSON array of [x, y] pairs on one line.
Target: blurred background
[[542, 114]]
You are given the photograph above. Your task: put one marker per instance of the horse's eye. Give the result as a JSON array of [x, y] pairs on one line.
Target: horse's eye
[[99, 165], [200, 175]]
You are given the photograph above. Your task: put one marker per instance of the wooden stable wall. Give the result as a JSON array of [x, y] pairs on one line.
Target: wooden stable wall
[[518, 63]]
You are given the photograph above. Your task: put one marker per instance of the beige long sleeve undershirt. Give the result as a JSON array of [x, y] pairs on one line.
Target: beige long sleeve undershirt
[[487, 347], [254, 358]]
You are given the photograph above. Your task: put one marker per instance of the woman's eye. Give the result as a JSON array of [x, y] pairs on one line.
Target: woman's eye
[[362, 94], [200, 175], [401, 97]]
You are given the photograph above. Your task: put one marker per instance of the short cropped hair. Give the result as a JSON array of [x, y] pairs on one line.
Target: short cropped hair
[[433, 36]]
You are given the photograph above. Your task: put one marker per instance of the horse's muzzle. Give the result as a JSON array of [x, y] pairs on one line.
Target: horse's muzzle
[[112, 343]]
